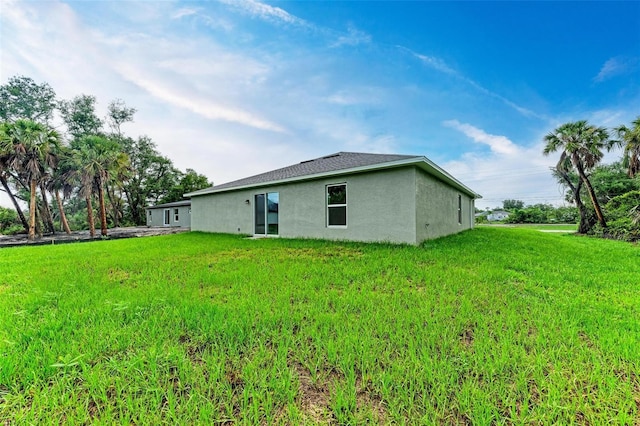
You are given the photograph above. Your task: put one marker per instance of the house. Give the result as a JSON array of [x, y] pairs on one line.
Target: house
[[343, 196], [170, 214], [497, 215]]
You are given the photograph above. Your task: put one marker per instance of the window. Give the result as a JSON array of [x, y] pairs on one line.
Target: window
[[176, 215], [167, 217], [459, 209], [337, 205]]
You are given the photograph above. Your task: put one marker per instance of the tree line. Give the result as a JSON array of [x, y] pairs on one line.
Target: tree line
[[605, 197], [85, 170], [612, 209]]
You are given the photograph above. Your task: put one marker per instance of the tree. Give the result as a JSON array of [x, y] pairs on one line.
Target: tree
[[79, 114], [512, 204], [630, 141], [563, 173], [59, 182], [23, 98], [582, 144], [97, 158], [118, 114], [6, 158], [189, 182], [151, 175], [30, 147]]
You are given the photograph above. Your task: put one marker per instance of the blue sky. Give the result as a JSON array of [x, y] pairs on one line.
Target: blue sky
[[234, 88]]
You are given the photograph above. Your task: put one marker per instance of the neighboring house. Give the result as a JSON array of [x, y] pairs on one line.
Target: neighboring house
[[343, 196], [170, 214], [497, 215]]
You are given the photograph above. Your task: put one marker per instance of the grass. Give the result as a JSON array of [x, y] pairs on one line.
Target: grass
[[568, 227], [491, 326]]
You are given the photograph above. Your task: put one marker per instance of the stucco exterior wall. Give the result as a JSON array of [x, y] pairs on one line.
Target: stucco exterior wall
[[437, 208], [380, 207], [155, 216]]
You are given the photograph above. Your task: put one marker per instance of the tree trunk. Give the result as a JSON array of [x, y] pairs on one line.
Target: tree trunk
[[103, 211], [592, 195], [92, 227], [114, 206], [63, 217], [32, 210], [584, 226], [23, 219], [47, 216]]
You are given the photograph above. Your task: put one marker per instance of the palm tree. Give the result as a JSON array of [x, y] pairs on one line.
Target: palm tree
[[582, 143], [630, 140], [96, 159], [31, 149], [6, 157], [60, 181], [562, 171]]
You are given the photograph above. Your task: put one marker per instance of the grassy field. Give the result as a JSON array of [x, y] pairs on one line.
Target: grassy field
[[492, 326], [568, 227]]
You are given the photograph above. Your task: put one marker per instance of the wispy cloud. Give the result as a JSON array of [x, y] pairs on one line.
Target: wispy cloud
[[185, 11], [265, 12], [618, 65], [435, 63], [506, 171], [439, 64], [353, 37], [498, 144]]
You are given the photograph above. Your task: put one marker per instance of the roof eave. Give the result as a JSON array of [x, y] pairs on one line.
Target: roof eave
[[423, 162]]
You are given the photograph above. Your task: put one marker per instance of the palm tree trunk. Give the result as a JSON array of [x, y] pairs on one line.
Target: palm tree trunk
[[92, 227], [114, 206], [47, 215], [63, 216], [32, 211], [103, 211], [584, 225], [23, 219], [592, 195]]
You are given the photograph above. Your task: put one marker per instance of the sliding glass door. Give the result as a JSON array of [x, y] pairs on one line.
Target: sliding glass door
[[266, 213]]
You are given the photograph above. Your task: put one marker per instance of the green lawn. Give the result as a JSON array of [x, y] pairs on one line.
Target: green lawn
[[568, 227], [491, 326]]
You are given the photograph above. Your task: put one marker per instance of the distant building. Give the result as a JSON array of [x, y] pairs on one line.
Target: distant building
[[497, 215], [170, 214]]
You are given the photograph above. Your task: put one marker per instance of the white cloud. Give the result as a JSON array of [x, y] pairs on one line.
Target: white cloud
[[508, 171], [498, 144], [353, 37], [616, 66], [265, 12], [192, 101], [180, 13]]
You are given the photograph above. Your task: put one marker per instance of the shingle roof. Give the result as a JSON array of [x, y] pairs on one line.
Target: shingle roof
[[340, 161], [174, 204]]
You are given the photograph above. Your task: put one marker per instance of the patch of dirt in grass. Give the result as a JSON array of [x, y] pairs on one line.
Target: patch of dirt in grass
[[467, 337], [93, 409], [457, 418], [118, 275], [586, 339], [314, 398], [310, 253], [194, 349], [366, 397]]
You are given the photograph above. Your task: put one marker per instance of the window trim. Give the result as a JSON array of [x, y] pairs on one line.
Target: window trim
[[166, 217], [328, 206]]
